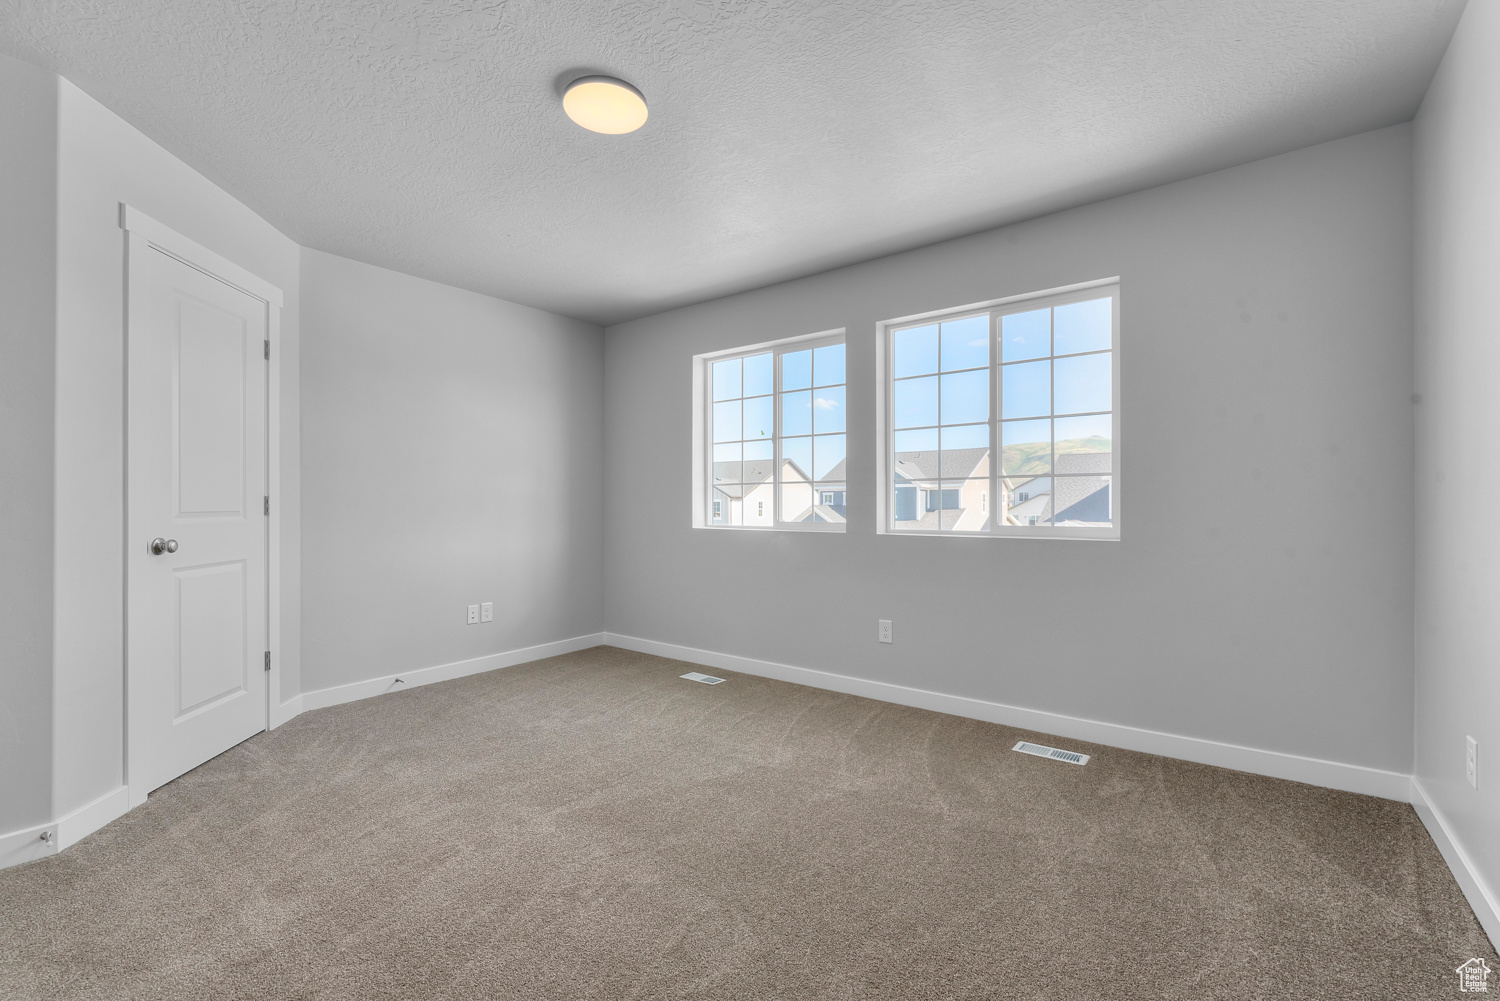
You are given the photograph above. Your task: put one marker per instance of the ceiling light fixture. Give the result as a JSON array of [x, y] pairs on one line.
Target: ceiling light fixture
[[604, 104]]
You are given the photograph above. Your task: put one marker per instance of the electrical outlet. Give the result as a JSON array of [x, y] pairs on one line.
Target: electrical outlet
[[1471, 761], [885, 630], [487, 612], [473, 614]]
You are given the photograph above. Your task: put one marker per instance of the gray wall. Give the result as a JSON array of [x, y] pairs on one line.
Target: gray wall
[[28, 290], [451, 456], [1458, 484], [1262, 592]]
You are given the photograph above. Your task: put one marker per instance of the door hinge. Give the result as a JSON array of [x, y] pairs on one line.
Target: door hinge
[[268, 660], [268, 350], [268, 505]]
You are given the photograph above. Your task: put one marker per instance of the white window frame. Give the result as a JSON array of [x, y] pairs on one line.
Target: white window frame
[[885, 432], [703, 403]]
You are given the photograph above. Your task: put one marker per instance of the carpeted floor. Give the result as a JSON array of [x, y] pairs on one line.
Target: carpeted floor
[[593, 827]]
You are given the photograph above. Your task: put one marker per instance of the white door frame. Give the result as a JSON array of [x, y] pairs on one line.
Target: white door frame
[[142, 233]]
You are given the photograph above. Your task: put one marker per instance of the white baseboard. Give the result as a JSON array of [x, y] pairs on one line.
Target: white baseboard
[[441, 672], [68, 830], [1313, 771], [285, 711], [87, 819], [1483, 899], [24, 845]]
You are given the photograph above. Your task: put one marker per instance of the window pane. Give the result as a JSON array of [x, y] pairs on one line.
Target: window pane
[[828, 409], [964, 505], [828, 365], [965, 451], [914, 352], [758, 375], [796, 413], [966, 343], [916, 403], [1083, 501], [726, 507], [1082, 384], [727, 379], [1026, 335], [796, 370], [828, 457], [1081, 326], [829, 507], [944, 507], [904, 515], [1027, 501], [758, 451], [1083, 444], [799, 452], [760, 503], [966, 397], [916, 441], [758, 418], [796, 501], [727, 463], [1026, 447], [759, 466], [727, 421], [1026, 390]]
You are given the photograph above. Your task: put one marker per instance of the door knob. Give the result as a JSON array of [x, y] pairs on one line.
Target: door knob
[[159, 546]]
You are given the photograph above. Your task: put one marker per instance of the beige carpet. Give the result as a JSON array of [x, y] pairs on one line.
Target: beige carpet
[[592, 827]]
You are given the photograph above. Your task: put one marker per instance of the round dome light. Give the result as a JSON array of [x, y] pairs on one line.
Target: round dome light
[[604, 104]]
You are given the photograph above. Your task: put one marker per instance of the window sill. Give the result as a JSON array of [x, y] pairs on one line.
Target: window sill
[[1065, 535], [823, 529]]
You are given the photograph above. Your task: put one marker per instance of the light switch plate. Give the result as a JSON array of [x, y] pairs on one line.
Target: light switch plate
[[1471, 761], [473, 614]]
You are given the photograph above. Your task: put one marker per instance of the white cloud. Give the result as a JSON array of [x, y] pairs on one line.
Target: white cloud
[[826, 404]]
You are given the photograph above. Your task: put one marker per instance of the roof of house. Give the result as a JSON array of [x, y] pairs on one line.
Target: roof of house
[[956, 463], [1063, 495], [1070, 491], [756, 471], [1084, 462], [759, 470], [932, 521]]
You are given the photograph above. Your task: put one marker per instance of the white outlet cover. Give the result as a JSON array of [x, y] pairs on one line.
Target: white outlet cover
[[1471, 761], [487, 612], [473, 614]]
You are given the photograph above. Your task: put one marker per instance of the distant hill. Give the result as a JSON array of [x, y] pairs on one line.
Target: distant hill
[[1031, 459]]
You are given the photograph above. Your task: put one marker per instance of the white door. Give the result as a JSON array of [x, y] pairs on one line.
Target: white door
[[196, 532]]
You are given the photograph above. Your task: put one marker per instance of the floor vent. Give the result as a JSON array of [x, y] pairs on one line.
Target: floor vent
[[707, 679], [1055, 753]]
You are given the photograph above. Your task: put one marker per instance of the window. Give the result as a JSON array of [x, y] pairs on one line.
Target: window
[[1034, 380], [773, 441]]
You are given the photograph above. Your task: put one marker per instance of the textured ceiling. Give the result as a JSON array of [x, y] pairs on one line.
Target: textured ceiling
[[786, 136]]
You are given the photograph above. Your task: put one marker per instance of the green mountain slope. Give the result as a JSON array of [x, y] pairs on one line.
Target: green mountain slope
[[1031, 459]]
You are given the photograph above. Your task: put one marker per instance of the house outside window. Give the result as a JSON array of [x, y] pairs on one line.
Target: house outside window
[[770, 445], [1033, 380]]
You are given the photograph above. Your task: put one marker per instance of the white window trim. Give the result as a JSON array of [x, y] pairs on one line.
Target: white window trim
[[702, 467], [885, 433]]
